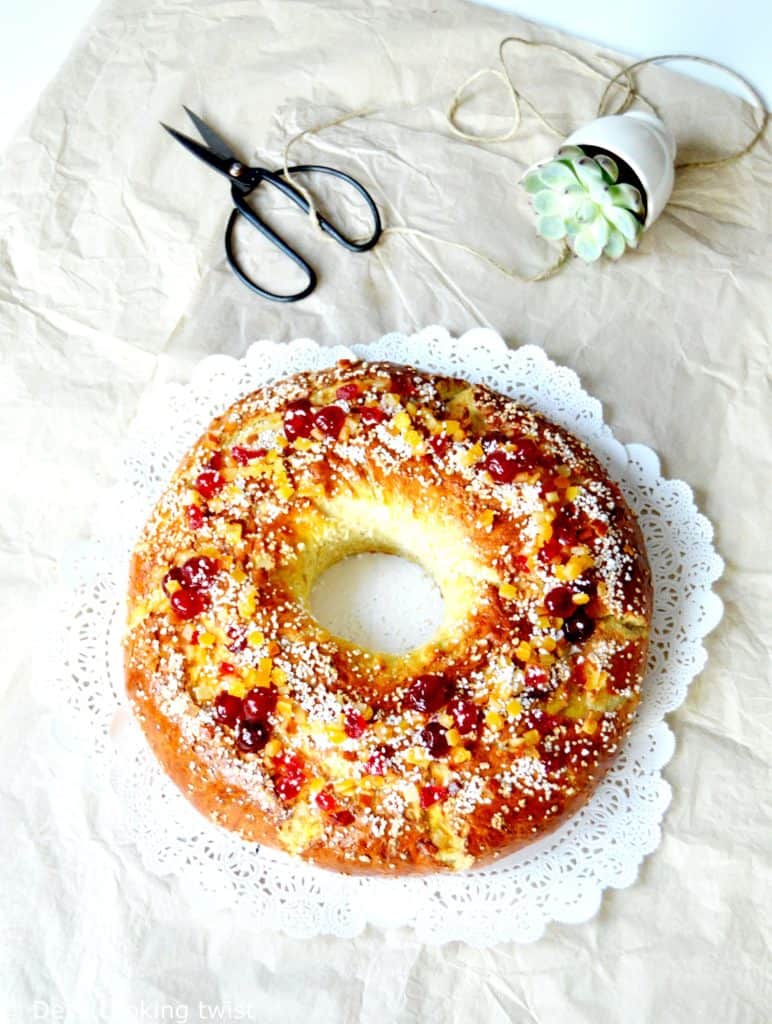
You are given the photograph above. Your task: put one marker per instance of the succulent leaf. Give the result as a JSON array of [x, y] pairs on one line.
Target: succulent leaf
[[551, 227], [587, 211], [547, 201], [557, 174], [532, 182], [608, 166], [625, 222], [588, 172], [586, 246], [615, 246], [627, 196], [570, 153]]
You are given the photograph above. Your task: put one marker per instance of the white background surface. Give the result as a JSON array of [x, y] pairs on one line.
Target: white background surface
[[36, 36]]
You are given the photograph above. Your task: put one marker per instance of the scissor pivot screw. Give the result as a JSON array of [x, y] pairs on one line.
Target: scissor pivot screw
[[235, 169]]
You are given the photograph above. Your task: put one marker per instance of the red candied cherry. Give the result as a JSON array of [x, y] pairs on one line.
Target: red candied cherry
[[402, 384], [527, 455], [195, 517], [242, 456], [226, 669], [194, 637], [502, 466], [209, 482], [343, 817], [251, 737], [237, 635], [227, 708], [428, 693], [550, 552], [439, 444], [187, 604], [198, 572], [536, 682], [378, 762], [347, 392], [579, 627], [174, 575], [216, 461], [432, 794], [465, 714], [560, 602], [586, 585], [291, 777], [298, 419], [325, 800], [260, 703], [565, 528], [373, 414], [435, 739], [354, 724], [330, 420]]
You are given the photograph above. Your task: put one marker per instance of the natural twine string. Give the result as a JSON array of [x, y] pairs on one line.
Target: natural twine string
[[630, 93]]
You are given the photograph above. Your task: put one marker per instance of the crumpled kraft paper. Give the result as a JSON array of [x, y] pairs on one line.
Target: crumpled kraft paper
[[112, 275]]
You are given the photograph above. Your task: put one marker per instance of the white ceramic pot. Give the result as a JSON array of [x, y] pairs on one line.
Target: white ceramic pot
[[645, 144]]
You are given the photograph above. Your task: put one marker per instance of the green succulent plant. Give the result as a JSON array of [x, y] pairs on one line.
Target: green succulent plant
[[578, 198]]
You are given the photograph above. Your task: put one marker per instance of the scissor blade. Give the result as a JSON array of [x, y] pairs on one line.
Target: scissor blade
[[216, 143], [218, 163]]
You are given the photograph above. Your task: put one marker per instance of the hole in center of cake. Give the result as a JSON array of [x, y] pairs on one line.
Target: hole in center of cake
[[378, 601]]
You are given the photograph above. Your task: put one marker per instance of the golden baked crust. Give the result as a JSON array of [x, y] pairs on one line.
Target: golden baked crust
[[460, 751]]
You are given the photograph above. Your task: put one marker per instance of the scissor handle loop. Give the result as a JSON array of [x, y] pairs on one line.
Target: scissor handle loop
[[277, 180]]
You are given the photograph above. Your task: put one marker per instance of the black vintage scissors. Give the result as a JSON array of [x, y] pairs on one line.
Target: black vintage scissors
[[218, 155]]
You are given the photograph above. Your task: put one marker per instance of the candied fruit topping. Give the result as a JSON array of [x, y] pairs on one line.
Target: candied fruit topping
[[330, 420], [560, 602], [251, 737], [465, 714], [502, 466], [325, 800], [579, 627], [347, 392], [354, 724], [209, 482], [372, 414], [290, 778], [432, 795], [243, 456], [227, 708], [260, 703], [428, 693], [187, 604], [195, 517], [298, 420], [343, 817], [435, 739]]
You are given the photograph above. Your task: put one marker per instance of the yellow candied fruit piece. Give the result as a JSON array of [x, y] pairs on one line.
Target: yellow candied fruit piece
[[285, 490], [523, 651], [556, 704], [589, 726], [514, 708], [238, 575], [238, 688], [532, 736], [402, 421], [303, 444], [581, 599], [233, 533], [172, 586], [272, 748], [506, 590], [487, 517], [138, 612], [207, 639], [316, 786], [474, 454], [278, 676], [255, 638], [552, 497], [574, 567], [413, 438], [549, 643], [254, 470], [367, 712], [441, 773], [335, 733], [572, 493], [453, 428], [445, 720], [459, 755], [284, 707], [247, 603], [344, 786], [493, 720], [416, 755], [453, 736]]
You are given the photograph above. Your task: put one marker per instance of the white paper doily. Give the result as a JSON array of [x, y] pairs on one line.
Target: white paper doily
[[562, 877]]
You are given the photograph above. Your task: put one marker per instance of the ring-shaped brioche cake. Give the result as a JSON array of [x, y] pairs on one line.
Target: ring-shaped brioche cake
[[452, 754]]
